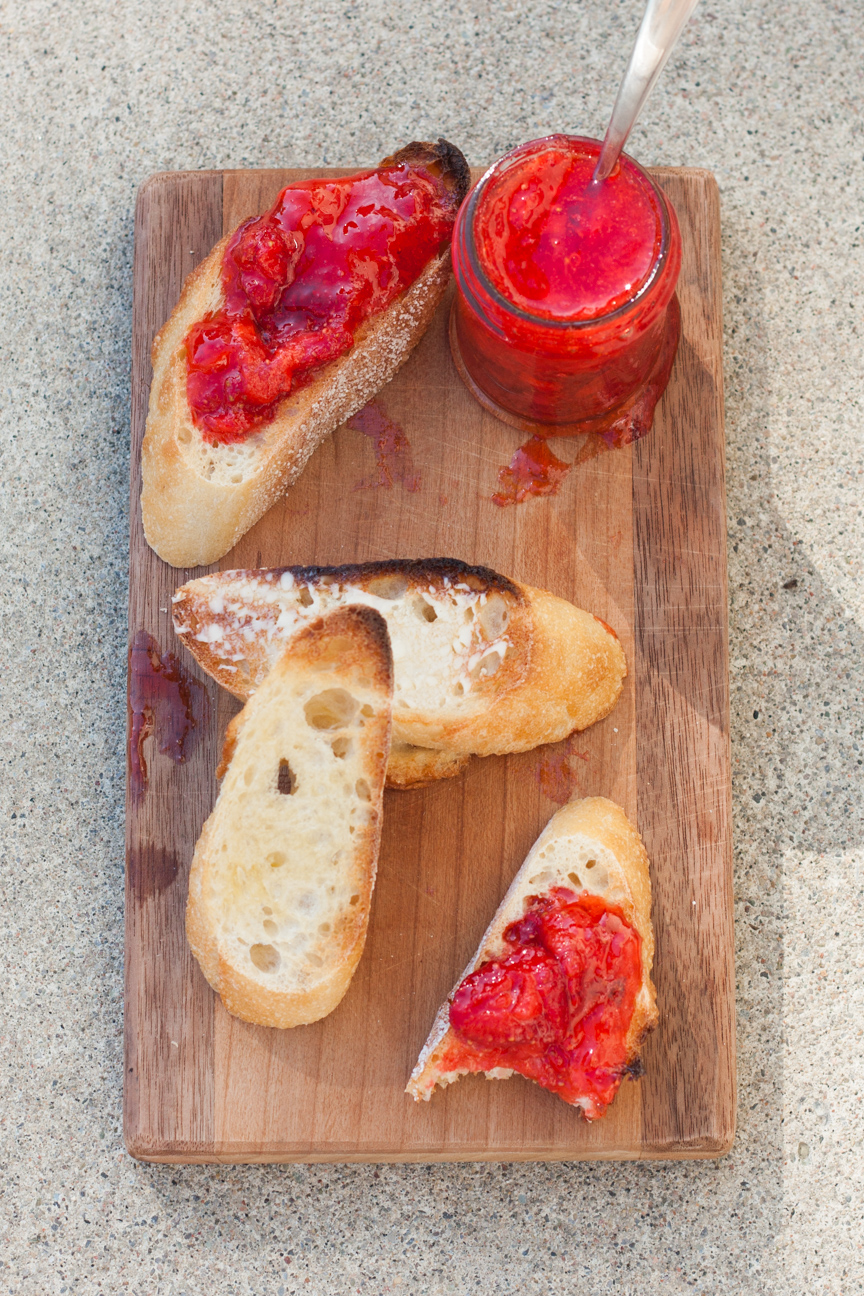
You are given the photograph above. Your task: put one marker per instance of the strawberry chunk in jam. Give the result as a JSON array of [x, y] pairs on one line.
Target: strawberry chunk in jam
[[558, 1007], [298, 283]]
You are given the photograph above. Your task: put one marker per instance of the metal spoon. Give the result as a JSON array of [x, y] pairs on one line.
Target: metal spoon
[[662, 25]]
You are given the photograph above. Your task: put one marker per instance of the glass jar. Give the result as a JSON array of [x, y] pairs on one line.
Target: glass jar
[[578, 330]]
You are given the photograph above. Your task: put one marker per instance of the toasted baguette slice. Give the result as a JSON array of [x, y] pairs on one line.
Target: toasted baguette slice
[[482, 664], [283, 872], [198, 499], [588, 846]]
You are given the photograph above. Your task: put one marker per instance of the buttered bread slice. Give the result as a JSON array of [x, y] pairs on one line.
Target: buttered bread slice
[[483, 665], [282, 875]]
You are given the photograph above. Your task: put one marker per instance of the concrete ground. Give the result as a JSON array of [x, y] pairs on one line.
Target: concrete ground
[[99, 95]]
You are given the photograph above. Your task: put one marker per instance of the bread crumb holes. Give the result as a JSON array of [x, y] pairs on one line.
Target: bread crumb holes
[[388, 587], [265, 957], [286, 783], [332, 709]]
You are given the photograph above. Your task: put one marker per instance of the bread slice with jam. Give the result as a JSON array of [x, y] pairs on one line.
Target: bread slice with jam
[[282, 874], [283, 333], [560, 988], [483, 665]]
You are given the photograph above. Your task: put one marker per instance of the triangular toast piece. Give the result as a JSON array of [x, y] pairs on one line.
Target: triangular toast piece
[[560, 988], [483, 664], [282, 875]]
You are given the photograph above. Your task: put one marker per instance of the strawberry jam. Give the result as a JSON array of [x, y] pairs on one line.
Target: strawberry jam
[[558, 1005], [533, 470], [301, 279], [565, 319], [557, 245]]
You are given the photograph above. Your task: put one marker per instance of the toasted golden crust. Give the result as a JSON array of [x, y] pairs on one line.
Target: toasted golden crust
[[559, 669], [416, 767], [195, 509], [593, 827], [233, 869]]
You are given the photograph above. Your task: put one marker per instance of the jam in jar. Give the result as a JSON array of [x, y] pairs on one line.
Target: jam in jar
[[565, 318]]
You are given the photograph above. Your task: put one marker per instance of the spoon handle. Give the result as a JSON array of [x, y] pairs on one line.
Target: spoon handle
[[661, 26]]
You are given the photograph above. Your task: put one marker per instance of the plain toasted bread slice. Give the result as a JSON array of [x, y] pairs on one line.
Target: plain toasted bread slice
[[283, 872], [198, 499], [483, 665], [590, 847]]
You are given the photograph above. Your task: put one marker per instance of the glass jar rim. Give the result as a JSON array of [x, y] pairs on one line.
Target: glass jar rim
[[470, 210]]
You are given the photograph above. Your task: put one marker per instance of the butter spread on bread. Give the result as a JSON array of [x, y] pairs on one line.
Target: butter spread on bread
[[483, 664], [560, 987], [291, 324], [283, 871]]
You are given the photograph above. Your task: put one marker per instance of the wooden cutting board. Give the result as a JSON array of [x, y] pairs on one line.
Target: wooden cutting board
[[635, 535]]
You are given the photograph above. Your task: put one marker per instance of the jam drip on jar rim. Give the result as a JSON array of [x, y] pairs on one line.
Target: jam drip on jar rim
[[300, 280], [558, 1004]]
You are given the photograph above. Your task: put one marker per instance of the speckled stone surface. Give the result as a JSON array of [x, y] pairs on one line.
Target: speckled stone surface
[[99, 95]]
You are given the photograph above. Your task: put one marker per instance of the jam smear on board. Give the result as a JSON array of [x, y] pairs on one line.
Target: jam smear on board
[[393, 461], [557, 777], [300, 280], [163, 700], [533, 470], [558, 1005]]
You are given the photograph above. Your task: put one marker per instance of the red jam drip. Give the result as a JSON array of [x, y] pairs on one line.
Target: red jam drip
[[393, 459], [557, 777], [159, 691], [558, 1007], [533, 470], [557, 245], [300, 280]]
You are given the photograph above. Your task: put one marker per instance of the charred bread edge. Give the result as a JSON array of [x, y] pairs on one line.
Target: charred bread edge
[[412, 568]]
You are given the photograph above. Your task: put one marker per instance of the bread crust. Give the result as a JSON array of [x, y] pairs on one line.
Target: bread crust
[[619, 850], [350, 649], [416, 767], [563, 669], [191, 519]]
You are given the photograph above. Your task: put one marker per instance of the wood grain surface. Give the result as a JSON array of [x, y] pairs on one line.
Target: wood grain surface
[[638, 537]]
